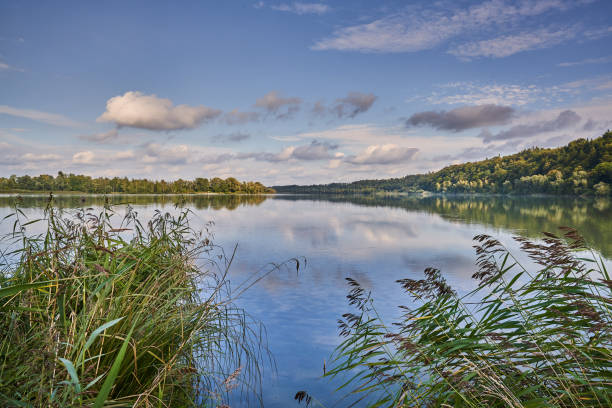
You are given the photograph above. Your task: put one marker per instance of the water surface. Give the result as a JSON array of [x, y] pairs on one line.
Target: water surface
[[373, 240]]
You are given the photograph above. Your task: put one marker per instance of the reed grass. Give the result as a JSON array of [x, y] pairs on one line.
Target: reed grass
[[93, 314], [538, 336]]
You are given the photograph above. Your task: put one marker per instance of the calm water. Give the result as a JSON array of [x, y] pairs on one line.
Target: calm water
[[375, 241]]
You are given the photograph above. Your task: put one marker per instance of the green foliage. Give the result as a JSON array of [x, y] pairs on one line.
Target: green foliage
[[574, 169], [103, 185], [93, 315], [533, 338]]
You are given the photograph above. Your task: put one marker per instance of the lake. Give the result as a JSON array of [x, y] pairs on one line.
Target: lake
[[372, 240]]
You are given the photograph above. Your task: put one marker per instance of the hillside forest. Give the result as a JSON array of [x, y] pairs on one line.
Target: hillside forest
[[583, 167]]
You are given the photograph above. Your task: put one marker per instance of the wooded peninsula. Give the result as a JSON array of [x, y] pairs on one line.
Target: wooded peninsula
[[102, 185]]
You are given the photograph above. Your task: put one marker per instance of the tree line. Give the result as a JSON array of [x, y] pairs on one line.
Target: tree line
[[583, 167], [103, 185]]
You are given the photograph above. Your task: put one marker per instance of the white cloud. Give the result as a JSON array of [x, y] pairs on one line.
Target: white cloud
[[134, 109], [588, 85], [41, 157], [474, 93], [124, 155], [586, 61], [359, 134], [314, 151], [85, 157], [418, 29], [383, 154], [597, 33], [286, 138], [477, 93], [174, 155], [504, 46], [300, 8], [45, 117]]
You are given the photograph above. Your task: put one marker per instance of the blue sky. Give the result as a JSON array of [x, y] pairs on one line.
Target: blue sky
[[295, 92]]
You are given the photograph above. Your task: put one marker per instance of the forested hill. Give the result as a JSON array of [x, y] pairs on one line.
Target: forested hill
[[582, 167], [103, 185]]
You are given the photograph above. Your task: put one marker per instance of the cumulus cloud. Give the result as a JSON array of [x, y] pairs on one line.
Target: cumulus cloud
[[353, 104], [279, 106], [564, 120], [507, 45], [314, 151], [463, 118], [134, 109], [85, 157], [300, 8], [235, 117], [383, 154], [45, 117], [423, 28], [103, 137]]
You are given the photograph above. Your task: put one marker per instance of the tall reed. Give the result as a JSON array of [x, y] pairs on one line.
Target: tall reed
[[535, 338], [97, 315]]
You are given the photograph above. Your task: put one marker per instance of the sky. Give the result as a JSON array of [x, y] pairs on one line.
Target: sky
[[295, 92]]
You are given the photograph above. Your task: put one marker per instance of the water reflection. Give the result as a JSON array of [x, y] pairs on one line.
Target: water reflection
[[528, 216], [199, 201]]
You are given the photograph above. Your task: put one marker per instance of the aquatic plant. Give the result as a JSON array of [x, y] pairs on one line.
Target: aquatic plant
[[133, 315], [537, 336]]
